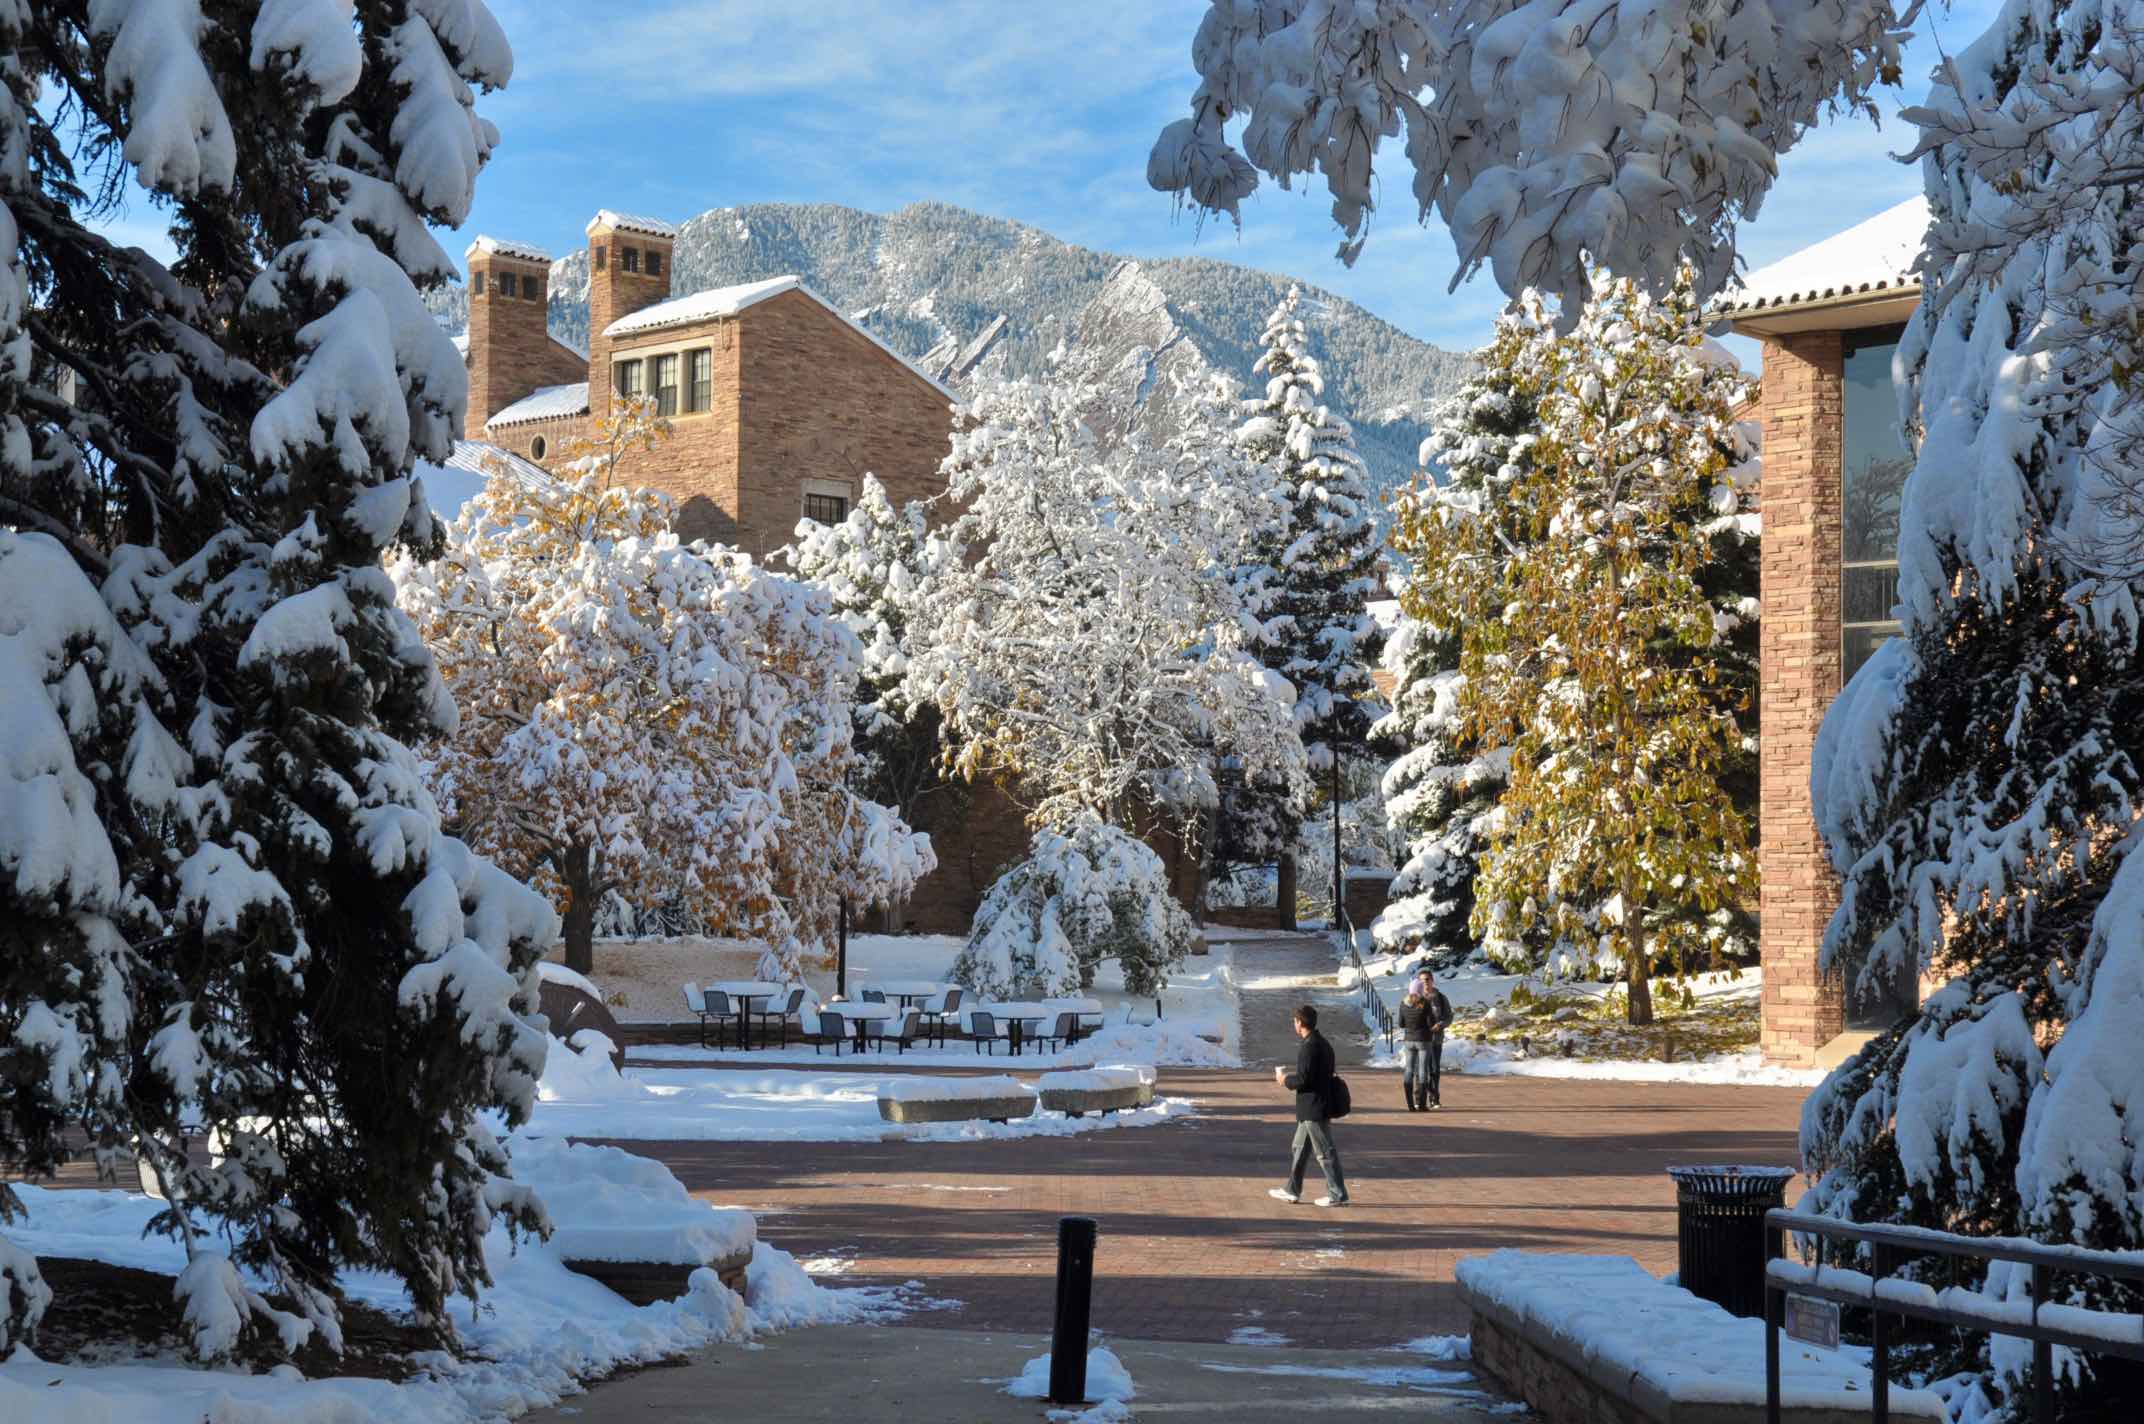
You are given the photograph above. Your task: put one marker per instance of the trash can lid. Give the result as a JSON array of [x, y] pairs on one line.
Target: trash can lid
[[1768, 1174], [1731, 1183]]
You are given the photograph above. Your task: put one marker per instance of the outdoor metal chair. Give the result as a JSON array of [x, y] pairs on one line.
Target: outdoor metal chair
[[713, 1007], [1064, 1034], [985, 1029], [935, 1015], [833, 1028], [783, 1015], [874, 996], [900, 1037]]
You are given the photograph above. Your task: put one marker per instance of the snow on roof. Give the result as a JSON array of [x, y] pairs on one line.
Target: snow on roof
[[545, 403], [455, 481], [626, 222], [1872, 256], [501, 247], [721, 302]]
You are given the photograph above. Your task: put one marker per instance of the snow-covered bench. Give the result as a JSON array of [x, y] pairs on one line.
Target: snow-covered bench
[[627, 1222], [1597, 1337], [997, 1098], [1102, 1090]]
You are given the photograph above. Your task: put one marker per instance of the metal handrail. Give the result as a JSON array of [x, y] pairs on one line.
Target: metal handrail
[[1893, 1247], [1373, 1001]]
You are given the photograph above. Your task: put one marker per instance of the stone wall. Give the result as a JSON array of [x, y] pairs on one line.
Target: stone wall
[[511, 352], [1556, 1392], [1799, 651]]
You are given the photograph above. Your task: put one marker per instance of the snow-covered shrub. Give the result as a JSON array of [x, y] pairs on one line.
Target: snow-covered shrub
[[1084, 895], [666, 720]]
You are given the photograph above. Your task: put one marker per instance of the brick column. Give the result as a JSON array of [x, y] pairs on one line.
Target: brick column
[[1798, 677]]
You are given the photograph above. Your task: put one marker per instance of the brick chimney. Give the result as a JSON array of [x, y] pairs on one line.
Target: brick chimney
[[510, 351], [628, 269]]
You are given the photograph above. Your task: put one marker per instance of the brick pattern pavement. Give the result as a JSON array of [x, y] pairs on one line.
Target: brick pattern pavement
[[1191, 1246]]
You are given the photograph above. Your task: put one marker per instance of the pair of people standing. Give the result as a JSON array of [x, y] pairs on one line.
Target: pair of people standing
[[1424, 1015]]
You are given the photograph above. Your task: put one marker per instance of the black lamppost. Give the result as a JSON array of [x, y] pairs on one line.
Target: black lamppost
[[1338, 885]]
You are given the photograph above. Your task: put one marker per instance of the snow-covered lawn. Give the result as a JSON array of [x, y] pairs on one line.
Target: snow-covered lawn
[[1516, 1025], [538, 1335], [749, 1105], [642, 981]]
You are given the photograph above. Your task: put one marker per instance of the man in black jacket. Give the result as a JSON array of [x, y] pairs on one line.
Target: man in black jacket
[[1311, 1082], [1424, 1015]]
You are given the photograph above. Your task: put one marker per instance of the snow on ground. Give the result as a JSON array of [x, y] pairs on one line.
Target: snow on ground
[[1568, 1029], [643, 981], [1109, 1388], [537, 1334], [1258, 1335], [581, 1095]]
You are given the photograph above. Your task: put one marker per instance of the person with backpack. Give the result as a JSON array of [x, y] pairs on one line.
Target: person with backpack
[[1424, 1015], [1320, 1096]]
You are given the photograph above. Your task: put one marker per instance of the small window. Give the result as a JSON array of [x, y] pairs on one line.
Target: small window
[[629, 259], [538, 447], [699, 379], [476, 284], [506, 284], [602, 258], [532, 288], [628, 379], [666, 385], [655, 263], [826, 508]]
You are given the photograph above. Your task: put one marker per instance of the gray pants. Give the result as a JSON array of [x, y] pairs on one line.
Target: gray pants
[[1420, 1068], [1316, 1137]]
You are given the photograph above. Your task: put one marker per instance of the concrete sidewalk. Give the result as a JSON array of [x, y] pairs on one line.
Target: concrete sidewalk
[[865, 1373]]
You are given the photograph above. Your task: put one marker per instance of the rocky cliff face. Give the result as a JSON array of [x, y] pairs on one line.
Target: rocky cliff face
[[931, 278]]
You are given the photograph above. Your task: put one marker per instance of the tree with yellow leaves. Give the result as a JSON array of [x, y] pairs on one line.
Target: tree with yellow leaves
[[639, 715], [1603, 591]]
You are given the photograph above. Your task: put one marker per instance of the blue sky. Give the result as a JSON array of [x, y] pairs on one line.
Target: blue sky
[[670, 107]]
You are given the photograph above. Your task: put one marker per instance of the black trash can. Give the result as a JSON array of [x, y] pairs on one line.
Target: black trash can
[[1721, 1237]]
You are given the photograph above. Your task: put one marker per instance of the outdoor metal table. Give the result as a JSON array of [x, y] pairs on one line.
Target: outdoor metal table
[[1016, 1016], [862, 1016], [908, 992], [744, 991]]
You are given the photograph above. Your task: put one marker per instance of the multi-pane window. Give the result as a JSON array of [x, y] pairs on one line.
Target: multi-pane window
[[629, 259], [1874, 462], [506, 284], [826, 508], [532, 288], [627, 379], [655, 263], [665, 385], [699, 380]]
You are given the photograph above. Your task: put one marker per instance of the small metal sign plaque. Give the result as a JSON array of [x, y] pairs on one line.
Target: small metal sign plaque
[[1813, 1321]]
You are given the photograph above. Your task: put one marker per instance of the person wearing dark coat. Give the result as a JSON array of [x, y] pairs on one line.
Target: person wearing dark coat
[[1424, 1015], [1311, 1082]]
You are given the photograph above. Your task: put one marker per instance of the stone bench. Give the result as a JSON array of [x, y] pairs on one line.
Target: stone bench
[[992, 1099], [1598, 1340], [1102, 1090], [645, 1282]]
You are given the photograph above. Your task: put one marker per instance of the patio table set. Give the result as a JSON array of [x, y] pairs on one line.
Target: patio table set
[[897, 1011]]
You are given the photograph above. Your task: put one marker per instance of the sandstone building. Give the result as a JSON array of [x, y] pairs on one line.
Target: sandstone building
[[1835, 460]]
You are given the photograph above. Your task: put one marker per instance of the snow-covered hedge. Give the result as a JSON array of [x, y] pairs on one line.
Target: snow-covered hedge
[[1084, 895]]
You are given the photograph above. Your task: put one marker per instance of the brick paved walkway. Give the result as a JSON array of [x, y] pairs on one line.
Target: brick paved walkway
[[1192, 1248]]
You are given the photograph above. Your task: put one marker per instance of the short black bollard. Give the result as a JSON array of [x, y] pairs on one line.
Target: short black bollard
[[1075, 1297]]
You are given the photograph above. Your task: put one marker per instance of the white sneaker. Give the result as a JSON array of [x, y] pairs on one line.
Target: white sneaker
[[1332, 1201], [1283, 1194]]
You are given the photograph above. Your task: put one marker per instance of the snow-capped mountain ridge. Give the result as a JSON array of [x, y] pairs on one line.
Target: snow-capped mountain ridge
[[933, 275]]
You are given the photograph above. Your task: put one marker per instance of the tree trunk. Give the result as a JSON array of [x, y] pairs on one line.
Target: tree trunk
[[1284, 896], [1639, 969], [578, 873]]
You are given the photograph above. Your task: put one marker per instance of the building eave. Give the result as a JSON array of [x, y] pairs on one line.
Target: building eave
[[1887, 305]]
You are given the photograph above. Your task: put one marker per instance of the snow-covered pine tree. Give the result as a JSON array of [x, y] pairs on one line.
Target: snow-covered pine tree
[[1442, 785], [1320, 557], [275, 942], [1603, 596], [661, 720], [1979, 780]]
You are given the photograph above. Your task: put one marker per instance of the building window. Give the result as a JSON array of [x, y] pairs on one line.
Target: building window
[[665, 385], [532, 288], [537, 447], [699, 380], [602, 258], [629, 259], [476, 284], [655, 263], [1874, 460], [827, 503], [506, 284], [627, 379]]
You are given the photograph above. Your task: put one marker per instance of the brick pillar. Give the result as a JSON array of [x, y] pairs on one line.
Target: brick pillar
[[1798, 677], [509, 337], [615, 292]]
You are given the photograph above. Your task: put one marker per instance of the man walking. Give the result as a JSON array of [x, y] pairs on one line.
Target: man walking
[[1424, 1015], [1312, 1084]]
